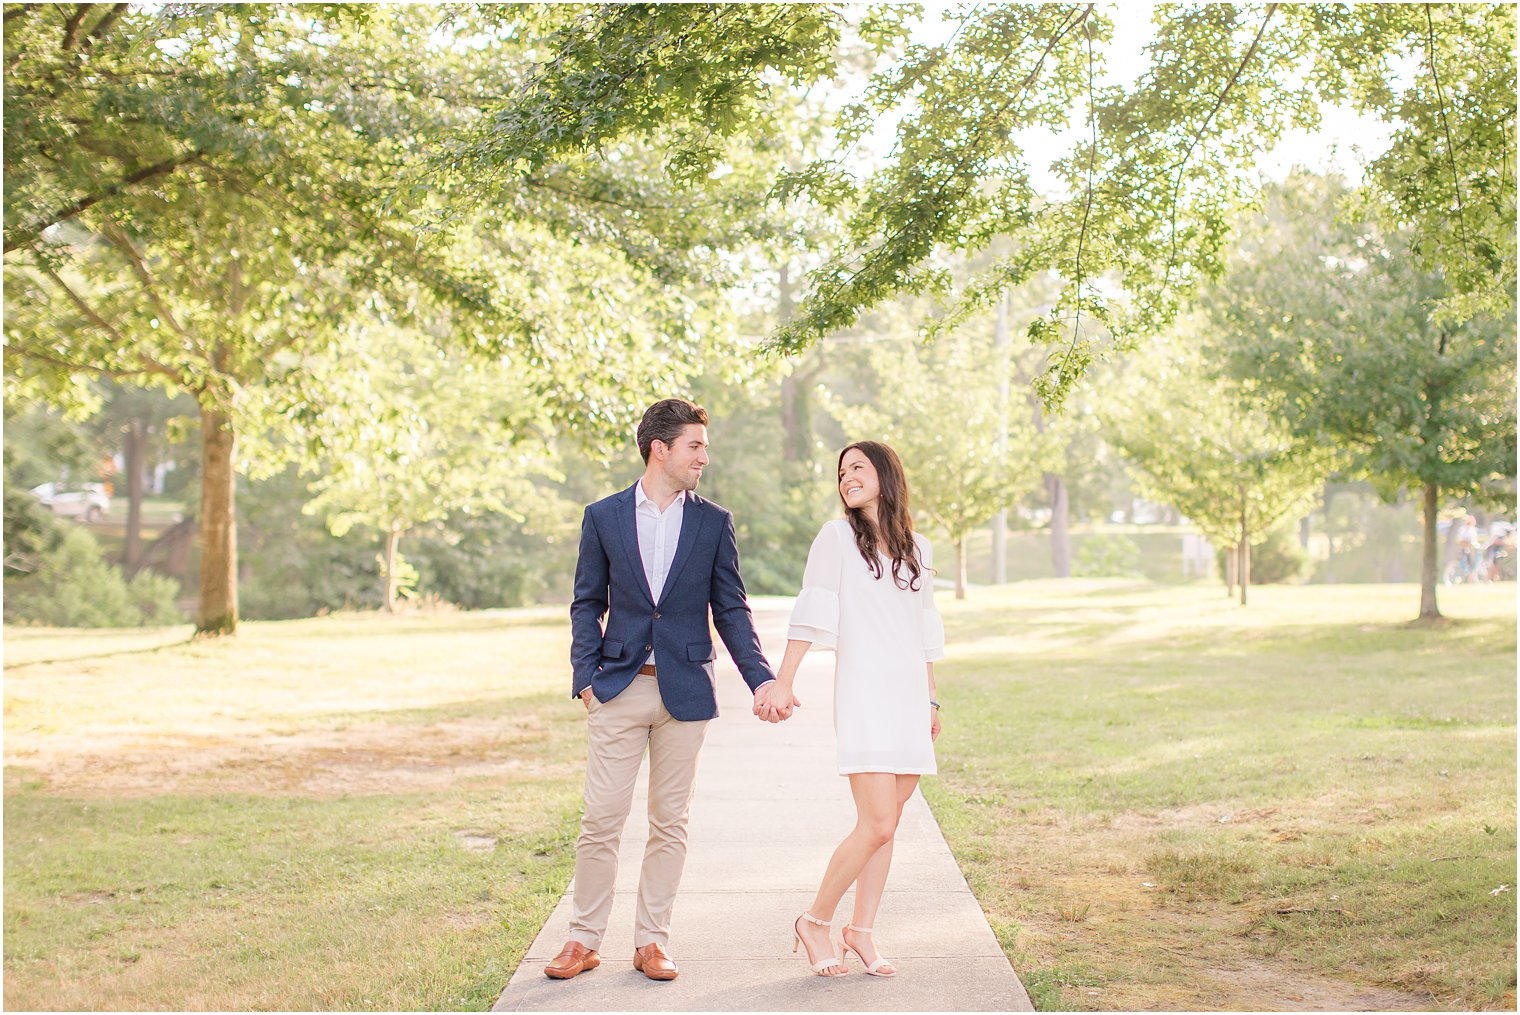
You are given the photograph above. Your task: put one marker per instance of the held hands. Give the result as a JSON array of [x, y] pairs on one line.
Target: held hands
[[774, 702]]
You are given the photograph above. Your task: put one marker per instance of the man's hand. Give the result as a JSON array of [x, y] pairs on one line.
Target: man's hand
[[586, 698], [774, 702]]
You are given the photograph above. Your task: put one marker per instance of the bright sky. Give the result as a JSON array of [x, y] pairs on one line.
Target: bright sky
[[1344, 142]]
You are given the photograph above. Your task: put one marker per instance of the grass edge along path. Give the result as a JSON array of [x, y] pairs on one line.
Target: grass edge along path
[[1184, 804], [355, 812], [1158, 798]]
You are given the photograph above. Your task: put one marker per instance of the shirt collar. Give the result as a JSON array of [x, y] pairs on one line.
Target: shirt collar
[[640, 498]]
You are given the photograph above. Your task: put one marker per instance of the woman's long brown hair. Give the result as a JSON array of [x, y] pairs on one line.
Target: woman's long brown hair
[[892, 516]]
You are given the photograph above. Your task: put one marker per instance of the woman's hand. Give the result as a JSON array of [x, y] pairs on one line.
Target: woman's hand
[[933, 723]]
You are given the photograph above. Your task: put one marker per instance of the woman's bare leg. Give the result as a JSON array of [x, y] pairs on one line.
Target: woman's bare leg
[[876, 812], [873, 881]]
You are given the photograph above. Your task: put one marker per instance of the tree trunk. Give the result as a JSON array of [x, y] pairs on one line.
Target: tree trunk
[[1329, 539], [960, 568], [217, 612], [1428, 563], [1245, 570], [792, 426], [392, 541], [135, 454], [1231, 568], [1245, 554], [1060, 525], [1000, 339], [1000, 547]]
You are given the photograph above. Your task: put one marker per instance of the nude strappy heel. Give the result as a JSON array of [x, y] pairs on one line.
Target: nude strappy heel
[[872, 968], [822, 964]]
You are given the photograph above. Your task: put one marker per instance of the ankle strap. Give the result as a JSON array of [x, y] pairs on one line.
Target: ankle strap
[[858, 930], [810, 918]]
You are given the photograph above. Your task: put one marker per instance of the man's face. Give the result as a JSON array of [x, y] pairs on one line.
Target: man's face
[[685, 457]]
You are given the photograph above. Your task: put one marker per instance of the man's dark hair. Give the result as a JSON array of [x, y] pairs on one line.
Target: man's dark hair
[[664, 420]]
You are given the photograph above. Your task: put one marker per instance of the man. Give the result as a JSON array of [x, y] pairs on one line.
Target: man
[[653, 559]]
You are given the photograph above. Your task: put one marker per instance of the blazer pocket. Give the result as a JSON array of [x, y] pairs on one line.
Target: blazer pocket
[[701, 652], [612, 650]]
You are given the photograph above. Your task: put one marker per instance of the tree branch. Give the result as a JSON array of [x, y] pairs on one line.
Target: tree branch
[[542, 184], [149, 364], [119, 239], [17, 11], [58, 361], [71, 28], [68, 211], [1092, 155], [972, 145], [1451, 149], [1203, 127], [104, 24]]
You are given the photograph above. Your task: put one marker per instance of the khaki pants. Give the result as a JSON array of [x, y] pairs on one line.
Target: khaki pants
[[617, 734]]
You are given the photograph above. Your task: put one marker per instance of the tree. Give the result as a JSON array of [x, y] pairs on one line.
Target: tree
[[939, 406], [134, 420], [189, 198], [1199, 444], [1337, 330], [429, 434], [288, 194], [1151, 184]]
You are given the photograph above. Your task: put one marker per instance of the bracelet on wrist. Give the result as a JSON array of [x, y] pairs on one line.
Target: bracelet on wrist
[[934, 704]]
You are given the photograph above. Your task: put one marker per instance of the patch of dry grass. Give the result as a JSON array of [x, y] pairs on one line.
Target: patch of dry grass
[[357, 812], [1165, 801]]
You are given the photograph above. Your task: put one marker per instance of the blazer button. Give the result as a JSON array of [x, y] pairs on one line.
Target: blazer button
[[656, 616], [648, 648]]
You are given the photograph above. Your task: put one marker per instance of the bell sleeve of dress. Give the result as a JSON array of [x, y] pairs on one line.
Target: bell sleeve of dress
[[933, 626], [815, 618]]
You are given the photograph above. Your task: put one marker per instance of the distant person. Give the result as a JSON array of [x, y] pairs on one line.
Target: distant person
[[1499, 530], [867, 593], [1467, 545], [654, 560]]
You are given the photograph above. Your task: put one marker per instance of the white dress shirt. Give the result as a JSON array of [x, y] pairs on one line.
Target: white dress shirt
[[659, 532]]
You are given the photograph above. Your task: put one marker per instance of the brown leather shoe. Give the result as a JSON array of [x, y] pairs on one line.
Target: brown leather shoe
[[572, 960], [653, 962]]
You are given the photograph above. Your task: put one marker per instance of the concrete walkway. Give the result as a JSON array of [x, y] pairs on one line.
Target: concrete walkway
[[768, 812]]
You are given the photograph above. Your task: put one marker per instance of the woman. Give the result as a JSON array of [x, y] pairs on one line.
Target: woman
[[867, 593]]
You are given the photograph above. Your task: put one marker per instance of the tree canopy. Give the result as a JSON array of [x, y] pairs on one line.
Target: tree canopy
[[1151, 180]]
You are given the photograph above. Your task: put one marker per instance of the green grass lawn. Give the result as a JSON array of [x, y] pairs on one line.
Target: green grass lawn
[[346, 813], [1157, 796]]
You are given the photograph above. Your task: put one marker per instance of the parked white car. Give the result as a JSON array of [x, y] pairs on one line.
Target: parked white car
[[83, 500]]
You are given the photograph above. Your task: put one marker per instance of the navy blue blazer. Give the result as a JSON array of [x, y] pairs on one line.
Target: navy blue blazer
[[610, 581]]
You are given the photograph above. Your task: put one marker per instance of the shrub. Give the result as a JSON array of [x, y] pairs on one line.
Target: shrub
[[1106, 556], [489, 561], [71, 585], [1276, 560], [31, 531]]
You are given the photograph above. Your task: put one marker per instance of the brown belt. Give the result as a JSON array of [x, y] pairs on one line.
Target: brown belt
[[647, 670]]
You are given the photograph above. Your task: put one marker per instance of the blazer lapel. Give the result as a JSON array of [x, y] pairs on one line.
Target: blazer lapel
[[692, 517], [628, 530]]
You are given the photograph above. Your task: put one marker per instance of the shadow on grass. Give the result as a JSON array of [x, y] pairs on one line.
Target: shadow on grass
[[500, 706], [88, 657], [1129, 629]]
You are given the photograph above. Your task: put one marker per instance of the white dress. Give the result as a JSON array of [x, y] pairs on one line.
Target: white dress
[[882, 636]]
